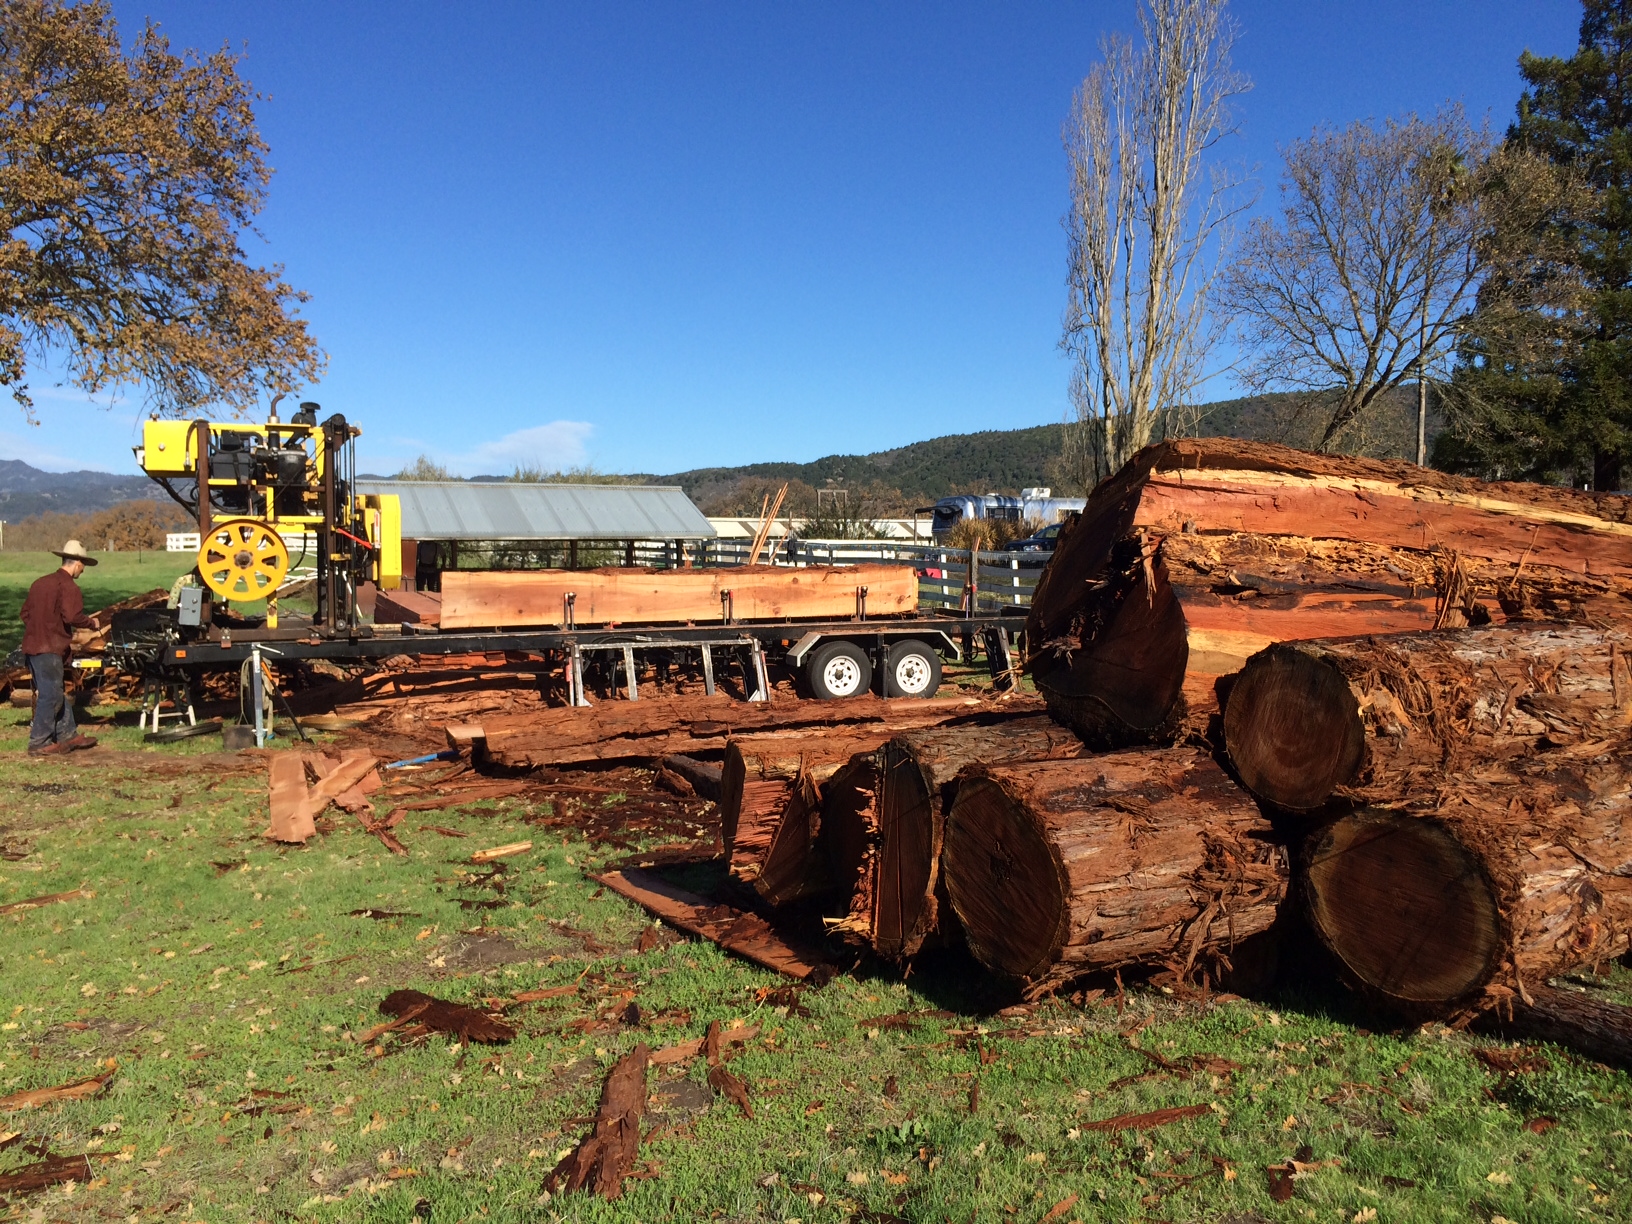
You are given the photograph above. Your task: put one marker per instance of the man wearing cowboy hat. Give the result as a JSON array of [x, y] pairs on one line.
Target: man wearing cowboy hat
[[53, 610]]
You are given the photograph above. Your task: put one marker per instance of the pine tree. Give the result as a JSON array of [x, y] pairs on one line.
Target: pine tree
[[1544, 384]]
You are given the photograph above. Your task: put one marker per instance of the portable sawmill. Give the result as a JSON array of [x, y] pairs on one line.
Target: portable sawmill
[[251, 485]]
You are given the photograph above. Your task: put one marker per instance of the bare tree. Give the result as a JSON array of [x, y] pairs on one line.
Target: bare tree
[[1362, 283], [1145, 223]]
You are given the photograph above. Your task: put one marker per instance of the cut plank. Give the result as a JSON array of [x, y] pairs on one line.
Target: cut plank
[[748, 935], [1145, 856], [407, 608], [474, 599]]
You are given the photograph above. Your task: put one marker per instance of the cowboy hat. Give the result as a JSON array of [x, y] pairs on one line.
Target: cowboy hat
[[75, 551]]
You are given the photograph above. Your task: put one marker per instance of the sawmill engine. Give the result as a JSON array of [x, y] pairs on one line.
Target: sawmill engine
[[275, 506]]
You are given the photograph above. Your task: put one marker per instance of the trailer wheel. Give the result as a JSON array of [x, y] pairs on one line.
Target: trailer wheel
[[911, 669], [839, 669]]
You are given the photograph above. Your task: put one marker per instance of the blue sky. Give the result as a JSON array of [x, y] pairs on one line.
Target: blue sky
[[651, 237]]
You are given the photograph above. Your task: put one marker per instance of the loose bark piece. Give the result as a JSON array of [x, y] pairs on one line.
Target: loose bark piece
[[731, 1087], [1147, 1121], [444, 1017], [1379, 718], [702, 776], [548, 992], [73, 894], [687, 1050], [33, 1098], [52, 1171], [473, 599], [748, 935], [1483, 887], [1144, 856], [606, 1155]]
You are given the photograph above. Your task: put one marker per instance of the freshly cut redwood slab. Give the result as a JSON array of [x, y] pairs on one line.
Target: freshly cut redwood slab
[[1144, 856], [473, 599], [1472, 895], [893, 851], [1381, 719], [407, 608]]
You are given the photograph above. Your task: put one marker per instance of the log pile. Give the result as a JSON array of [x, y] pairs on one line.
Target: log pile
[[1394, 702]]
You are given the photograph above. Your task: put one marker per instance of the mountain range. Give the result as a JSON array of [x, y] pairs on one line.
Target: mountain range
[[26, 491]]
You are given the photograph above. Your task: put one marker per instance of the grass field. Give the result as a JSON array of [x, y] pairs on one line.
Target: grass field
[[116, 576], [226, 985]]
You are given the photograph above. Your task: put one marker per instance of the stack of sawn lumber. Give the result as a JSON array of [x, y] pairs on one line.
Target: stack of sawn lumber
[[1397, 698]]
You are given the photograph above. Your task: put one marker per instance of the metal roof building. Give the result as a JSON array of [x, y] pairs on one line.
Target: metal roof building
[[461, 510]]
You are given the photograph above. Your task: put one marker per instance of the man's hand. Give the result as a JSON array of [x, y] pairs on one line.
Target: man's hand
[[86, 637]]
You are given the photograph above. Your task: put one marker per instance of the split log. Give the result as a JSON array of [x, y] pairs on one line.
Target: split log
[[1380, 718], [481, 599], [1153, 857], [1483, 888], [1262, 544], [892, 847], [1595, 1027]]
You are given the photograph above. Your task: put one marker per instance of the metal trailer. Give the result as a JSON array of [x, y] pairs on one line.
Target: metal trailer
[[836, 659]]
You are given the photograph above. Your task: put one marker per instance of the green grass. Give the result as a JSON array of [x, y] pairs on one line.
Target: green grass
[[211, 965], [116, 576]]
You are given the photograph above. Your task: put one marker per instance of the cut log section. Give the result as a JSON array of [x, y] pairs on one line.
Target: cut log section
[[1380, 718], [480, 599], [1500, 879], [1154, 857], [896, 833]]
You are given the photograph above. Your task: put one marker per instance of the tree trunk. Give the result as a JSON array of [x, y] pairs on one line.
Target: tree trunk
[[895, 831], [770, 808], [1153, 857], [1484, 887], [1380, 718]]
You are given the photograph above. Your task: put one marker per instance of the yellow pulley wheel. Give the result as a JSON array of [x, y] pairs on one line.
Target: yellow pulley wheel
[[243, 560]]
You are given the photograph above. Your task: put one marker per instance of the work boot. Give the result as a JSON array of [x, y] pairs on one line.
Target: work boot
[[46, 750], [77, 743]]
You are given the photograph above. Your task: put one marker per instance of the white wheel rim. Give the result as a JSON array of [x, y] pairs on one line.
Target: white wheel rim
[[841, 676], [912, 674]]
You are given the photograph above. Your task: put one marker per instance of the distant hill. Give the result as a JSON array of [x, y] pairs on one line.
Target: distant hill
[[26, 491]]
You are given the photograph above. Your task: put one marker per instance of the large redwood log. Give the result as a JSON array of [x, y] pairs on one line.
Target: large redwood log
[[1377, 718], [891, 849], [1150, 857], [1263, 544], [1485, 886]]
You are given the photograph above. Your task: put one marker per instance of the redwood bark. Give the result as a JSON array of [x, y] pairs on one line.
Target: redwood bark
[[897, 829], [1378, 719], [1484, 886], [1154, 857]]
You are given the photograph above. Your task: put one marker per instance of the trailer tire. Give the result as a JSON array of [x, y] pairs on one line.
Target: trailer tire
[[836, 670], [911, 669]]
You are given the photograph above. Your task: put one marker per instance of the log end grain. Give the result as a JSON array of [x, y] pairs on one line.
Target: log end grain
[[1292, 728], [1404, 905]]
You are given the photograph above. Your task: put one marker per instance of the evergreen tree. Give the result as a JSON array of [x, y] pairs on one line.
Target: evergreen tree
[[1544, 384]]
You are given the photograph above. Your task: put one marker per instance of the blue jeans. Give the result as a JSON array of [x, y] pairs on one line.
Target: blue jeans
[[53, 712]]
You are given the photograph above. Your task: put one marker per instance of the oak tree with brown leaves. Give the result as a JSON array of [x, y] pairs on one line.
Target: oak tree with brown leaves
[[127, 180]]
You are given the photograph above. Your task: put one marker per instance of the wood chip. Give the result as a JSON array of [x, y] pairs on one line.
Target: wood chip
[[728, 1085], [439, 1015], [1145, 1121], [33, 1098], [691, 1049], [73, 894], [499, 852], [52, 1171], [548, 992]]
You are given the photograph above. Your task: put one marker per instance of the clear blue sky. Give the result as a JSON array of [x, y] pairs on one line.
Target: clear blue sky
[[653, 236]]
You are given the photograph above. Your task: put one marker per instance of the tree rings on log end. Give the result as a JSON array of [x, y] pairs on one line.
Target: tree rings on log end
[[1404, 905], [1292, 728], [1005, 881]]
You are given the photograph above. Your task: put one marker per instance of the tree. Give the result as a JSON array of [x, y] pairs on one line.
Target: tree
[[1545, 374], [425, 468], [1360, 284], [125, 184], [1145, 225]]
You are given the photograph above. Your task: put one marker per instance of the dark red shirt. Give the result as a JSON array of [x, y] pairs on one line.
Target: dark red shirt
[[53, 610]]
